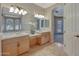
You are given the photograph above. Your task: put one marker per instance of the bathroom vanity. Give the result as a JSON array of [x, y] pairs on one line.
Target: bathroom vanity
[[34, 39], [15, 45], [45, 38], [40, 39], [12, 45]]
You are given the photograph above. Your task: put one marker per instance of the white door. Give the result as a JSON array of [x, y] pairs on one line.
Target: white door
[[76, 38], [71, 28], [68, 32]]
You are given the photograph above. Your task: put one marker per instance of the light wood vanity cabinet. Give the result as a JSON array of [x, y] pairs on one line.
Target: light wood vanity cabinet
[[9, 47], [45, 37], [23, 45], [15, 46], [33, 41], [19, 45]]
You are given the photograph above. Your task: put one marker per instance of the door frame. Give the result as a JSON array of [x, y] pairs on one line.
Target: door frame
[[55, 28]]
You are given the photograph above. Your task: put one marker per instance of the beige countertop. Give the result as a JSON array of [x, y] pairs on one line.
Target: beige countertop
[[34, 34], [18, 34], [11, 35]]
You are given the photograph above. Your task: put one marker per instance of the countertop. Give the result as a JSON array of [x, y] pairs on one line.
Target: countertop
[[17, 34], [11, 35]]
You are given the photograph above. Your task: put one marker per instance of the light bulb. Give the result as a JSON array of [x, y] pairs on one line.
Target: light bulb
[[16, 10], [21, 11], [36, 15], [24, 13], [41, 16], [11, 9]]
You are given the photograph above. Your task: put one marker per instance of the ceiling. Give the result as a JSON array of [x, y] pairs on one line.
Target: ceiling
[[44, 5]]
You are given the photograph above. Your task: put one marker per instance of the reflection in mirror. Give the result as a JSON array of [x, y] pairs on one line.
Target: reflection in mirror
[[38, 24], [42, 23], [12, 24], [9, 25], [46, 23], [17, 24]]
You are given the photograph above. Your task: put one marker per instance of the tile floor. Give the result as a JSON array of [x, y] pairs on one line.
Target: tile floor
[[46, 50]]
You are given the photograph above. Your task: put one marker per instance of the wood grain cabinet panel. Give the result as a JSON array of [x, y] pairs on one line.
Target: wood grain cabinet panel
[[45, 37], [23, 45], [33, 41], [9, 47], [15, 46]]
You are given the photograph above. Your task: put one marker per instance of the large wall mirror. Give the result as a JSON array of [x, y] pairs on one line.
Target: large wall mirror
[[46, 23], [12, 24], [41, 23]]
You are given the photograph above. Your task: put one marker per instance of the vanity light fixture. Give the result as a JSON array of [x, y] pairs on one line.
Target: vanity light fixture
[[36, 15], [21, 11], [39, 16], [11, 9], [24, 13], [18, 10]]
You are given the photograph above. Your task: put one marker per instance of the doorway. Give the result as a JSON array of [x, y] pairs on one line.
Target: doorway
[[58, 29], [58, 25]]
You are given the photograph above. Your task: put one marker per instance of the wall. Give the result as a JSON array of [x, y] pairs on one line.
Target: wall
[[50, 16], [0, 28], [30, 8], [0, 48]]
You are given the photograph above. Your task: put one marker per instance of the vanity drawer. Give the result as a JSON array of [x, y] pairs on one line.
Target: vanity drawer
[[9, 47], [33, 41], [9, 41], [23, 45], [15, 46], [45, 38]]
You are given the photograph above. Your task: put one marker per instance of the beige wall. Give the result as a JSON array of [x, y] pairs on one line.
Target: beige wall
[[0, 48], [0, 36], [28, 6]]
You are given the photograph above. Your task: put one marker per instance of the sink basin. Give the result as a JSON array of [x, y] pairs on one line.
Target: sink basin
[[34, 34]]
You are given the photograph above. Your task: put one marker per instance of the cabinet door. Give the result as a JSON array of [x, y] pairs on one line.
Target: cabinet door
[[33, 41], [9, 47], [23, 44], [45, 37]]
